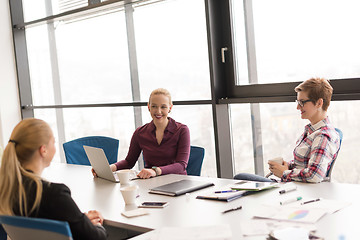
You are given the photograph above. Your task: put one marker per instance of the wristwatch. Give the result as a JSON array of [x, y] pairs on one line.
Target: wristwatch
[[156, 170]]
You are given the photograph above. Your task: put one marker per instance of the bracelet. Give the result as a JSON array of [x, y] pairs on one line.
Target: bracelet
[[155, 170]]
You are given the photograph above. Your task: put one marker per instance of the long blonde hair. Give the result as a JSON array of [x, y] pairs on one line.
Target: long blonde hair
[[27, 137]]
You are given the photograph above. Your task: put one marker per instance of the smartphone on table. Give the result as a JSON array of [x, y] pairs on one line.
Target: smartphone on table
[[153, 204]]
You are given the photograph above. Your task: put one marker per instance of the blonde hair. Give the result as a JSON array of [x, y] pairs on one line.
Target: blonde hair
[[26, 138], [162, 91], [317, 88]]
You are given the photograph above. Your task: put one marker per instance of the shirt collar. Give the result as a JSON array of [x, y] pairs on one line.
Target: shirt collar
[[171, 127], [312, 128]]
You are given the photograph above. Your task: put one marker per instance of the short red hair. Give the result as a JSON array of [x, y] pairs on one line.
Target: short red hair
[[317, 88]]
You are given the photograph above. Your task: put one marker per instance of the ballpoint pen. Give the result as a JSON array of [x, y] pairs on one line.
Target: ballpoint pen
[[290, 200], [226, 191], [287, 190], [232, 209], [310, 201]]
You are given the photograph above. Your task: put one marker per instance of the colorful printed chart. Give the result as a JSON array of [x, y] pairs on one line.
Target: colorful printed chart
[[298, 214]]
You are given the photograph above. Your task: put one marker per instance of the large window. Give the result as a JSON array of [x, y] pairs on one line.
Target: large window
[[88, 67], [118, 57]]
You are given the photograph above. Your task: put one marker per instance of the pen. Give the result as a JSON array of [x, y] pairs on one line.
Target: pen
[[226, 191], [310, 201], [287, 190], [290, 200], [232, 209]]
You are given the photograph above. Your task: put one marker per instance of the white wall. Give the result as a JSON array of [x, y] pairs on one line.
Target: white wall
[[9, 98]]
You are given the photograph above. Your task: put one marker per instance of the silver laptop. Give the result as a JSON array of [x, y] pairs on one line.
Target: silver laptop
[[100, 163]]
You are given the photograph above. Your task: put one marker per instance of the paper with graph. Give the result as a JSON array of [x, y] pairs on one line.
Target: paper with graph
[[290, 214]]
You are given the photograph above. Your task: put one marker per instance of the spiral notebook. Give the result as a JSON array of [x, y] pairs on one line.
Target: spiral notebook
[[180, 187]]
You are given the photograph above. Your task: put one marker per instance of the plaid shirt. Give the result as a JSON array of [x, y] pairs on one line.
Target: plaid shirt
[[314, 152]]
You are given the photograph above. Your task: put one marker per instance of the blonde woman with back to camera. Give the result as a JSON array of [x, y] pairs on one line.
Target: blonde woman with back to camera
[[23, 192]]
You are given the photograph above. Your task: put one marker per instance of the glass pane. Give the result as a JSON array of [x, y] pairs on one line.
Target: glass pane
[[93, 60], [109, 122], [240, 42], [173, 54], [40, 65], [82, 122], [242, 138], [281, 125], [296, 40], [201, 129], [343, 116]]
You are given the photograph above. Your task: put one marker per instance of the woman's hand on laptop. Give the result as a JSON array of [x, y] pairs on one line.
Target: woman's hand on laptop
[[93, 172], [112, 167]]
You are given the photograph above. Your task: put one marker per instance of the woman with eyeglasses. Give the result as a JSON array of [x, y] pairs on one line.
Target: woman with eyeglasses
[[317, 147]]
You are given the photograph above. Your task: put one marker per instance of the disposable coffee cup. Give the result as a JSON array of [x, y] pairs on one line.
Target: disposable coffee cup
[[129, 194], [124, 176]]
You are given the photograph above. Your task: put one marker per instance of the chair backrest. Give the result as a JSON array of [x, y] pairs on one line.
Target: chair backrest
[[3, 235], [75, 153], [195, 161], [328, 174], [18, 228]]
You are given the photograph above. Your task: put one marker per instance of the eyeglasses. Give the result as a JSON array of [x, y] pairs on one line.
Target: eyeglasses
[[301, 103]]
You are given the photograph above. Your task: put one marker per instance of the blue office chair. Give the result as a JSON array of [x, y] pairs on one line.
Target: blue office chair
[[3, 235], [195, 161], [19, 228], [75, 153], [328, 174]]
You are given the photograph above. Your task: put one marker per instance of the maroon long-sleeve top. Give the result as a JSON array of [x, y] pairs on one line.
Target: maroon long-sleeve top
[[171, 155]]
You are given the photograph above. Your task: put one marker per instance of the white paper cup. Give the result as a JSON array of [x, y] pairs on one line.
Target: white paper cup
[[129, 194], [277, 160], [124, 176]]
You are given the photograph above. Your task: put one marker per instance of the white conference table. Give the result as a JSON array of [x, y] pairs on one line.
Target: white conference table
[[187, 211]]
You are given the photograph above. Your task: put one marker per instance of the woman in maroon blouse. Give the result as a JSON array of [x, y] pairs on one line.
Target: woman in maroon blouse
[[164, 142]]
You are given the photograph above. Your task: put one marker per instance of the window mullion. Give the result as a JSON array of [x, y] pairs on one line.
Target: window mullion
[[134, 73], [56, 81], [253, 79]]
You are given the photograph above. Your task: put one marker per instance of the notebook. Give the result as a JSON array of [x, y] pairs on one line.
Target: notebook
[[180, 187], [100, 163], [253, 186], [224, 195]]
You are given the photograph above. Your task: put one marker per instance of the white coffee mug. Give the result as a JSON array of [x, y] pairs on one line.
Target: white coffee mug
[[129, 194], [277, 160], [124, 176]]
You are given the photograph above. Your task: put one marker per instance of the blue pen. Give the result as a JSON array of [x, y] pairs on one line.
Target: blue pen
[[226, 191]]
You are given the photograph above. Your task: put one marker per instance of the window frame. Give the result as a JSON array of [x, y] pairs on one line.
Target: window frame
[[224, 89]]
